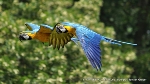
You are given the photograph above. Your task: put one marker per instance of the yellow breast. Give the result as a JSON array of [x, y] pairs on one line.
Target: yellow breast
[[43, 37]]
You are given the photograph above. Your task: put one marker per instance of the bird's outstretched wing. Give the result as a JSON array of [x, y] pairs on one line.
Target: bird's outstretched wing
[[90, 42], [59, 39]]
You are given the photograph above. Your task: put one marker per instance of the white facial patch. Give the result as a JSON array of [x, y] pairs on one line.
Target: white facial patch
[[26, 37], [63, 30]]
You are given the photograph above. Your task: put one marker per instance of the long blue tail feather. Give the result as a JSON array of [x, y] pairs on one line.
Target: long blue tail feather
[[112, 41]]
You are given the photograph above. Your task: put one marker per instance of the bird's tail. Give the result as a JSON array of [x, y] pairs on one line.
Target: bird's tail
[[112, 41]]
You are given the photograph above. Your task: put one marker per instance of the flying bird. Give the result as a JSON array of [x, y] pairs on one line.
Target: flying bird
[[62, 33], [45, 33], [89, 40]]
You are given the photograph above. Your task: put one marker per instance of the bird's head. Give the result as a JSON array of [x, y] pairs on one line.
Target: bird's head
[[60, 28], [24, 36]]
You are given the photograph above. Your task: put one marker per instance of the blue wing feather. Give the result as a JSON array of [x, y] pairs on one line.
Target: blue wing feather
[[92, 50], [93, 56], [91, 60], [96, 52]]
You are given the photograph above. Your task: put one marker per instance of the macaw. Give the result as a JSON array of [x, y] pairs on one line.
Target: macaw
[[45, 33], [89, 40]]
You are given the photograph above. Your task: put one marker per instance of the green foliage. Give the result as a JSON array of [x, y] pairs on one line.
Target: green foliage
[[31, 62], [131, 20]]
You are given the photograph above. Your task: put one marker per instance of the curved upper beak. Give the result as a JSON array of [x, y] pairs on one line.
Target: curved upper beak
[[24, 36]]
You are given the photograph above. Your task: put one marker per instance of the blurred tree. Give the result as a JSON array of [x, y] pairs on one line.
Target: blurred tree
[[25, 1], [73, 3], [131, 20], [5, 5]]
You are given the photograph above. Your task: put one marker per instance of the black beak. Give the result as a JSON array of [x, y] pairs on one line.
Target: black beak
[[21, 37]]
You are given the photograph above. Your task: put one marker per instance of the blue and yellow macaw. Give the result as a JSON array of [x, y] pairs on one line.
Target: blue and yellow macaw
[[89, 40], [62, 33], [45, 33]]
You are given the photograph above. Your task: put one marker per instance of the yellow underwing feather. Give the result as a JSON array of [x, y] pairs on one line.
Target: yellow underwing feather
[[64, 39], [54, 42], [62, 42], [68, 38], [58, 43]]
